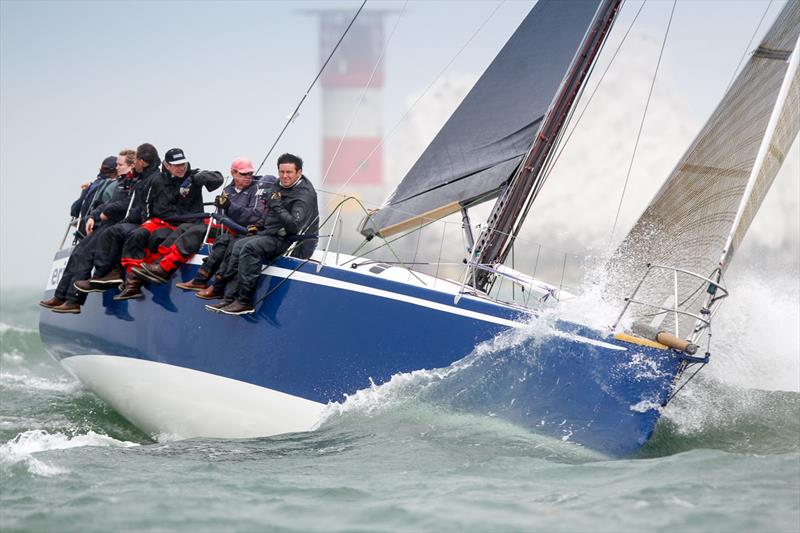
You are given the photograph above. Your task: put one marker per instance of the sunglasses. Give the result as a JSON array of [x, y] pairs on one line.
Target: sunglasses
[[245, 174]]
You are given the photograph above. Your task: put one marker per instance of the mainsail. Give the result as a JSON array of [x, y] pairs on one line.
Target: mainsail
[[483, 142], [705, 207]]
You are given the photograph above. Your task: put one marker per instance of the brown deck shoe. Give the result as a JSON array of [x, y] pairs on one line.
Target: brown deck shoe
[[132, 289], [85, 285], [67, 307], [109, 281], [50, 303], [153, 273], [215, 308], [209, 293], [237, 308], [192, 285]]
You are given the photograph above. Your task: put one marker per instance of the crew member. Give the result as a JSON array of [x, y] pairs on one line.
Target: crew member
[[66, 298], [95, 193], [291, 210], [176, 195], [241, 205], [132, 212]]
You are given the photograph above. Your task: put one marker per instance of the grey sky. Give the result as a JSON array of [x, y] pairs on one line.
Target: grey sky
[[82, 80]]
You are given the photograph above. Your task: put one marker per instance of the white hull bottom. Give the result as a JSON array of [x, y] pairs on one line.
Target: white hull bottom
[[171, 402]]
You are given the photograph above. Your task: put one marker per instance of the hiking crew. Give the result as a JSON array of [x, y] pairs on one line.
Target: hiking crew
[[291, 210], [107, 273], [240, 204], [95, 193], [175, 195], [79, 266]]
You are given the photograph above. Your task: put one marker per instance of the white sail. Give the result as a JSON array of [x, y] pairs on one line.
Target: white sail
[[705, 207]]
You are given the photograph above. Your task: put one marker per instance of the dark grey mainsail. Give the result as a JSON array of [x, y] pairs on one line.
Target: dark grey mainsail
[[483, 142]]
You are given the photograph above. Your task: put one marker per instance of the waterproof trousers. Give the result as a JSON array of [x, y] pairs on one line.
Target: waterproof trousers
[[186, 240], [79, 266], [109, 247], [247, 256], [143, 242]]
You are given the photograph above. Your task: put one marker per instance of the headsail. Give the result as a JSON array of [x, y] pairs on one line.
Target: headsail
[[483, 142], [709, 200]]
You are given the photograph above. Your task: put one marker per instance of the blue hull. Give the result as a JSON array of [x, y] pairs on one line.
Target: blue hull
[[320, 336]]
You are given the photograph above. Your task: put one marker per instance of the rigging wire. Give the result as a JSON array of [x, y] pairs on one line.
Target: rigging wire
[[303, 99], [428, 88], [641, 124], [564, 144], [362, 98], [749, 44]]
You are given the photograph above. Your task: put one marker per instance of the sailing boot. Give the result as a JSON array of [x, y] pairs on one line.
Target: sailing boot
[[192, 285], [85, 286], [237, 308], [51, 302], [199, 282], [153, 272], [215, 308], [212, 292], [67, 307], [133, 288], [109, 281]]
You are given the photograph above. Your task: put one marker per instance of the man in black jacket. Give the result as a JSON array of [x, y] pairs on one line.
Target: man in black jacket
[[242, 205], [129, 212], [175, 196], [291, 210]]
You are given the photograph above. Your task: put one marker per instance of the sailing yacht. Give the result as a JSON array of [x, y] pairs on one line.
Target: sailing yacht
[[329, 326]]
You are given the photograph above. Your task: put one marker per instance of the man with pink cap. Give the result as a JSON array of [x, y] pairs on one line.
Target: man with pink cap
[[241, 206]]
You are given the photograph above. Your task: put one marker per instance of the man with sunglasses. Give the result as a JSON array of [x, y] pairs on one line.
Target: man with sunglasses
[[241, 205]]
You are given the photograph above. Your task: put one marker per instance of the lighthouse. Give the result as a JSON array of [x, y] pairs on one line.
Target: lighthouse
[[352, 107]]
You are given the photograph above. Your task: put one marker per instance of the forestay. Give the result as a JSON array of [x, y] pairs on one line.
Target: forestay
[[691, 219], [482, 143]]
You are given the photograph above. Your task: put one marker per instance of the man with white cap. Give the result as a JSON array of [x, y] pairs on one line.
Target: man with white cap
[[242, 206]]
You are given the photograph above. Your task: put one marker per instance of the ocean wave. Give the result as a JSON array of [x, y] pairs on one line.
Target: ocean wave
[[25, 381], [21, 449], [4, 328]]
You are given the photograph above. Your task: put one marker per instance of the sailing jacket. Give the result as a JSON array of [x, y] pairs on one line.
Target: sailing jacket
[[165, 200], [247, 206], [99, 191], [117, 208], [291, 211]]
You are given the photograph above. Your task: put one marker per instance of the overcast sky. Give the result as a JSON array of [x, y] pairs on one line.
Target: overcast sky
[[82, 80]]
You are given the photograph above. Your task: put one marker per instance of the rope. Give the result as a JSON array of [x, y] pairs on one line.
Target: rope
[[749, 44], [362, 98], [641, 124], [303, 99], [671, 396], [428, 88]]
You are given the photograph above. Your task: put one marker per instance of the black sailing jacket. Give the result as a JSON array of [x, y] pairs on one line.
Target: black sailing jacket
[[165, 200], [295, 212]]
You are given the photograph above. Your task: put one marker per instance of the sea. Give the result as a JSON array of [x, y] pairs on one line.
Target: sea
[[725, 455]]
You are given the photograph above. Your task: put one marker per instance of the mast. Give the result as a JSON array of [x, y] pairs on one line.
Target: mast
[[510, 210]]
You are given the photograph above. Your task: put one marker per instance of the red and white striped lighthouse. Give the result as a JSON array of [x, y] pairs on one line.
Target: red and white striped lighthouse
[[348, 139]]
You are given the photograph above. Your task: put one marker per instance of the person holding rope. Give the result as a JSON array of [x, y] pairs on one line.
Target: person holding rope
[[241, 205], [291, 209], [175, 195]]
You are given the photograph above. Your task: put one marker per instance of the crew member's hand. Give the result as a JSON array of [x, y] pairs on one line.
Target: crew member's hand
[[221, 201], [274, 200], [103, 217], [186, 186], [252, 229], [85, 186], [89, 226]]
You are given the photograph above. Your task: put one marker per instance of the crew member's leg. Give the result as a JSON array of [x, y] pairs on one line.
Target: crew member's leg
[[253, 254]]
